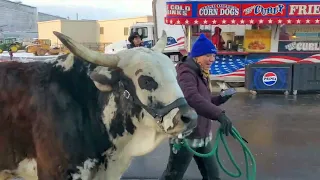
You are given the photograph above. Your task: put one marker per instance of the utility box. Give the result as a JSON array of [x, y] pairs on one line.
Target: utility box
[[269, 77], [306, 77]]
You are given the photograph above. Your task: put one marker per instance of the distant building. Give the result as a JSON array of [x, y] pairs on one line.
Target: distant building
[[85, 32], [20, 20], [16, 16], [90, 31]]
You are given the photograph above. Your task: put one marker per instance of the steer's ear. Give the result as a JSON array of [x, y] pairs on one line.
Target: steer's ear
[[102, 82]]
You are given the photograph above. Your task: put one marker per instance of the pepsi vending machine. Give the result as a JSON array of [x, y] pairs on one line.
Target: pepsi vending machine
[[269, 77]]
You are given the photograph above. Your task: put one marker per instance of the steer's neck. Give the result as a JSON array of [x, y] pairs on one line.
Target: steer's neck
[[129, 133], [120, 117], [142, 142]]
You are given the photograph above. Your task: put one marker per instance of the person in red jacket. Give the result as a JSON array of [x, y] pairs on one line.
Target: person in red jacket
[[217, 39], [193, 74]]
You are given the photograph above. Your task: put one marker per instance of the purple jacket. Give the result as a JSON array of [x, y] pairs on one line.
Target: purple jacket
[[196, 90]]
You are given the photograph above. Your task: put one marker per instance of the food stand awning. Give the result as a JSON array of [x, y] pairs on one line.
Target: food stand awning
[[224, 12]]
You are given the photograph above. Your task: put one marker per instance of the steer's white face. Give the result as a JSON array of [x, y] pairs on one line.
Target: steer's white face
[[154, 77]]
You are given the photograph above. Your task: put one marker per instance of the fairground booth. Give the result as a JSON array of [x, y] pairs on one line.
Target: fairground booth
[[253, 32]]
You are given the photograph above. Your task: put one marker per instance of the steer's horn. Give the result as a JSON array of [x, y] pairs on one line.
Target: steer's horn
[[107, 60], [161, 44]]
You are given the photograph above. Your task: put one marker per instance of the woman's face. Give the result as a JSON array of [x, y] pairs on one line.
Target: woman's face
[[206, 61]]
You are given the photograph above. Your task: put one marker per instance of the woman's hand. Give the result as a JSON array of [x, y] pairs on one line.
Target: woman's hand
[[226, 124]]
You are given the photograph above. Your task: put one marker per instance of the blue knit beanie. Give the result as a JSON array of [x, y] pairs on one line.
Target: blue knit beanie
[[203, 46]]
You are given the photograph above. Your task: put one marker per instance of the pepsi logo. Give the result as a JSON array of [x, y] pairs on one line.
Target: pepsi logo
[[269, 78]]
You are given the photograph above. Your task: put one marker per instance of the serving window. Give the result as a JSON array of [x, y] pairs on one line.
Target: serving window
[[232, 35], [299, 38]]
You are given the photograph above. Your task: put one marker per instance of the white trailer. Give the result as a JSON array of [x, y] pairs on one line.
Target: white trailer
[[152, 31]]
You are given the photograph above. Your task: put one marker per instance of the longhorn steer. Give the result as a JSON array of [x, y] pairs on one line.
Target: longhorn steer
[[85, 115]]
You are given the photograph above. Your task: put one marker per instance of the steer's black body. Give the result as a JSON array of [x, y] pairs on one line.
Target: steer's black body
[[55, 116]]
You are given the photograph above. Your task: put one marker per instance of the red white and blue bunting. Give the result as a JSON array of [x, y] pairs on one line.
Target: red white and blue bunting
[[236, 21], [222, 12]]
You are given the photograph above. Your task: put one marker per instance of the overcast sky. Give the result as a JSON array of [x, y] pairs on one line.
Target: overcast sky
[[93, 9]]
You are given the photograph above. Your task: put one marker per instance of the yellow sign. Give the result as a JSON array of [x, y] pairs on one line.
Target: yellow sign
[[257, 40]]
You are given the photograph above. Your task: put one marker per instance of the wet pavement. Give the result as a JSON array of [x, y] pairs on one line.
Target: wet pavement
[[283, 134]]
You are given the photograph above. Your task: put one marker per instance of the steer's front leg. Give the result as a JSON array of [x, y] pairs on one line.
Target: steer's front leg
[[116, 166]]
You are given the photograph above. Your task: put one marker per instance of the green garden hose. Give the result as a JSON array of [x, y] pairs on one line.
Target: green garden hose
[[215, 151]]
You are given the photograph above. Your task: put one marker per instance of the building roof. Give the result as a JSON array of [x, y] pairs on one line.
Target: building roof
[[52, 15], [18, 2], [66, 20]]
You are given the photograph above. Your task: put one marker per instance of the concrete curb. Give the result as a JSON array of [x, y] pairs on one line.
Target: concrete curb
[[238, 89]]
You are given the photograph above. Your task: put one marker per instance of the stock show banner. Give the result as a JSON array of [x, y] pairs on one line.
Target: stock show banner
[[257, 40], [242, 12]]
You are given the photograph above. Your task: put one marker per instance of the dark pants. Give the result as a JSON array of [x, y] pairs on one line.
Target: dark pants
[[178, 164]]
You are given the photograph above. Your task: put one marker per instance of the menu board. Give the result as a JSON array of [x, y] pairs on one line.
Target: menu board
[[257, 40]]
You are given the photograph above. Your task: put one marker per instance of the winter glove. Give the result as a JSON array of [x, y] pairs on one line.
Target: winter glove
[[224, 98], [226, 124], [225, 95]]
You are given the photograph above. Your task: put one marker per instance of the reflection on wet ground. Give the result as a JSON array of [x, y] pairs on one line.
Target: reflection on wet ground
[[283, 134]]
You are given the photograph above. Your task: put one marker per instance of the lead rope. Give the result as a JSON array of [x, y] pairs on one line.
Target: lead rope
[[215, 151]]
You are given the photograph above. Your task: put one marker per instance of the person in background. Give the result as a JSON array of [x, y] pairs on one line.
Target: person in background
[[135, 40], [10, 53], [284, 35], [217, 39], [193, 74]]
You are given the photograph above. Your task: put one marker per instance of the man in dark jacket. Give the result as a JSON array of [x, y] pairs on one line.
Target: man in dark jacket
[[135, 40], [193, 74]]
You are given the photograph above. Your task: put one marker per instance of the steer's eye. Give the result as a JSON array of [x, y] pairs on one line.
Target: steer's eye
[[147, 83]]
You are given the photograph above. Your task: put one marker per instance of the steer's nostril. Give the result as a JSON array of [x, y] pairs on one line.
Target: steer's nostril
[[185, 118], [189, 116]]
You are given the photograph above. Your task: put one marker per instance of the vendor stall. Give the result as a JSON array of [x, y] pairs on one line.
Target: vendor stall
[[249, 32]]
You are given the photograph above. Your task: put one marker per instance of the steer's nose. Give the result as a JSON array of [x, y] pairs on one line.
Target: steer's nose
[[188, 115]]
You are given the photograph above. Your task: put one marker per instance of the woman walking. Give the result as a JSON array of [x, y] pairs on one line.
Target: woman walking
[[193, 74]]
